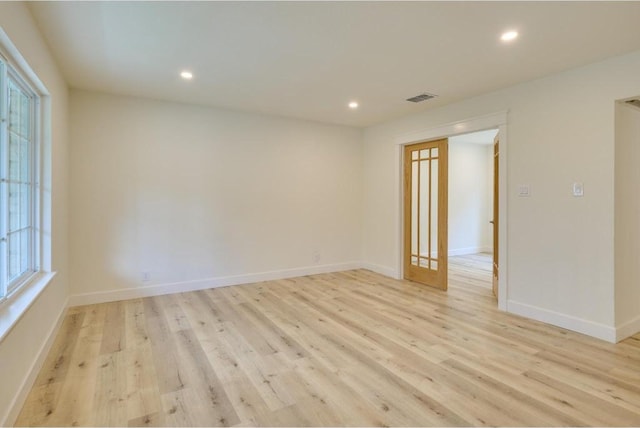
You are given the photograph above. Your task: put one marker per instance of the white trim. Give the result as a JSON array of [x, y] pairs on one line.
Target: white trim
[[479, 123], [580, 325], [18, 303], [400, 211], [4, 166], [10, 417], [503, 277], [22, 75], [628, 329], [203, 284], [15, 79], [12, 55], [382, 270]]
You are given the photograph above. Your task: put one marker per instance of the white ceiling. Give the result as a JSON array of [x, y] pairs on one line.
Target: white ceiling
[[309, 59]]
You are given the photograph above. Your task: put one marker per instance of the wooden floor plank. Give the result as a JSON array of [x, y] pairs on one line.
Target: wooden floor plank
[[143, 392], [168, 368], [43, 398], [75, 403], [112, 370], [203, 381], [349, 348], [600, 412]]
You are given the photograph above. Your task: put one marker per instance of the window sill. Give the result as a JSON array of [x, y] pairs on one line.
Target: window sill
[[17, 305]]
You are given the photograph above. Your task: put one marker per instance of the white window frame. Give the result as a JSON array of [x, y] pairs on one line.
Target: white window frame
[[9, 71]]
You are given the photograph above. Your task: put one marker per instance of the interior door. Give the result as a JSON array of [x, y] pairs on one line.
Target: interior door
[[496, 153], [425, 213]]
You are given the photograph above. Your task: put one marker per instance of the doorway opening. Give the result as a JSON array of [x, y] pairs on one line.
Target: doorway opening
[[444, 133], [473, 220]]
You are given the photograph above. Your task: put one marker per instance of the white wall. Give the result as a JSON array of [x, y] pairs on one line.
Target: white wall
[[627, 217], [191, 193], [20, 349], [470, 197], [560, 248]]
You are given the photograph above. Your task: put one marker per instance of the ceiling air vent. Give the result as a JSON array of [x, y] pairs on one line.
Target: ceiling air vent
[[635, 103], [421, 97]]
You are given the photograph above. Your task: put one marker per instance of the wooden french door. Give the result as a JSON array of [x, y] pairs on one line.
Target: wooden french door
[[496, 155], [425, 213]]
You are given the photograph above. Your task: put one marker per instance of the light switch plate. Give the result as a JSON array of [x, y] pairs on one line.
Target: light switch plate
[[578, 189], [524, 191]]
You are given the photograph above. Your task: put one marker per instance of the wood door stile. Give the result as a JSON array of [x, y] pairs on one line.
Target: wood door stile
[[496, 220]]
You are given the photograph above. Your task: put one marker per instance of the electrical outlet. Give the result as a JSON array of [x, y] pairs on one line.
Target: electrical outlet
[[146, 276], [316, 256], [524, 191]]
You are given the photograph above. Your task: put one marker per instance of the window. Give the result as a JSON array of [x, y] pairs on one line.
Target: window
[[19, 195]]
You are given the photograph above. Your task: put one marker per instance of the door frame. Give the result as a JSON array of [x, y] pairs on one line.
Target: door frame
[[491, 121]]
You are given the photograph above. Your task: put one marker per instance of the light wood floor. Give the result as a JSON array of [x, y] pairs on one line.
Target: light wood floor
[[351, 348], [472, 269]]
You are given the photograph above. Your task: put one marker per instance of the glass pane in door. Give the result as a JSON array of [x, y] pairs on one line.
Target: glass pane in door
[[414, 211], [433, 241], [424, 232]]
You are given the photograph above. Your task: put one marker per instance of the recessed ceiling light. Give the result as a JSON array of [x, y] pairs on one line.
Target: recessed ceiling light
[[186, 75], [353, 105], [508, 36]]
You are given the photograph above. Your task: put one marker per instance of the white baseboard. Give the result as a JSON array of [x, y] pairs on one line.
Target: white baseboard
[[382, 270], [590, 328], [203, 284], [469, 250], [628, 329], [462, 251], [34, 370]]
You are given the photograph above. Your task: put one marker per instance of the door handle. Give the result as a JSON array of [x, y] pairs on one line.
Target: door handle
[[491, 221]]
